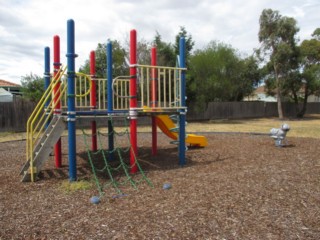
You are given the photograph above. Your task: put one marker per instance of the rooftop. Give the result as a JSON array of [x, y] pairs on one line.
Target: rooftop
[[260, 89], [4, 83]]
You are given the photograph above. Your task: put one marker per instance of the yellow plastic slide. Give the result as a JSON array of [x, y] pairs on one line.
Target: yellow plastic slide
[[167, 125]]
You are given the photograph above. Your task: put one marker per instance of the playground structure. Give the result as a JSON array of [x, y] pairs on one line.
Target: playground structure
[[149, 90]]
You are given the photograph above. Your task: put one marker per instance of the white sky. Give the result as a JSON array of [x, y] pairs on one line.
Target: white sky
[[27, 26]]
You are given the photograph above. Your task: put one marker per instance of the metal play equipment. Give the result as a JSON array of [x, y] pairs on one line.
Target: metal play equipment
[[148, 90], [279, 135]]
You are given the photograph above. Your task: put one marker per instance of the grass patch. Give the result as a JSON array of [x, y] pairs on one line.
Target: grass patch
[[309, 126], [70, 187], [306, 127], [12, 136]]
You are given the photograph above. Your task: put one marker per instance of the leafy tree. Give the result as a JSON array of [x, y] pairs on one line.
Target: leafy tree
[[118, 58], [32, 87], [144, 52], [165, 52], [189, 43], [249, 76], [316, 34], [310, 68], [101, 64], [217, 73], [278, 47]]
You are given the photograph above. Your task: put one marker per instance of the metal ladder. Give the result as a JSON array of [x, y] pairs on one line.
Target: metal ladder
[[44, 147]]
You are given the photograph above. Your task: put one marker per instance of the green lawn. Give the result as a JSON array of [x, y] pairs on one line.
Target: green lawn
[[306, 127]]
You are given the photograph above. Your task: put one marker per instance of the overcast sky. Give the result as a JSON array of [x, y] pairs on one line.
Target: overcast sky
[[27, 26]]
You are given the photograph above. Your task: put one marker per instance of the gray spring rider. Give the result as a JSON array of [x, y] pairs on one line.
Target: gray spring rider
[[279, 135]]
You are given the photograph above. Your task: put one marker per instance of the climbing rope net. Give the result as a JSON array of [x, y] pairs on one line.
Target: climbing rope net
[[109, 166]]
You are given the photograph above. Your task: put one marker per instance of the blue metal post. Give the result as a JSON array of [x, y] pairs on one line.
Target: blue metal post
[[182, 116], [46, 77], [110, 99], [71, 101]]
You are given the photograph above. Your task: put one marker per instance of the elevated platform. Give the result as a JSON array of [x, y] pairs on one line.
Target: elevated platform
[[121, 113]]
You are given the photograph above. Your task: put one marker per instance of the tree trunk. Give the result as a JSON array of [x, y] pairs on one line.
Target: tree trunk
[[305, 101], [296, 102], [279, 104], [279, 97]]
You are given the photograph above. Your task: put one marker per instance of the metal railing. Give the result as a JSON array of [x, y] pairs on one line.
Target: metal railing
[[83, 84], [42, 114], [168, 88], [168, 82]]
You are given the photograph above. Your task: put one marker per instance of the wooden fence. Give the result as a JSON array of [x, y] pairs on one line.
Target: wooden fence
[[238, 110], [14, 115]]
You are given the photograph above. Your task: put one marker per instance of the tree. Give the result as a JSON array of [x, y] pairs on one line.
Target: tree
[[217, 73], [32, 87], [310, 68], [278, 47], [316, 34], [249, 77], [189, 43], [118, 58], [144, 52], [165, 52]]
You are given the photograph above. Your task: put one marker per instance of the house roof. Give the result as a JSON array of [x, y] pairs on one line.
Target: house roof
[[4, 83], [260, 89]]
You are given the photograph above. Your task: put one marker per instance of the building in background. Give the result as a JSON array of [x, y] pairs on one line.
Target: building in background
[[260, 94], [9, 91]]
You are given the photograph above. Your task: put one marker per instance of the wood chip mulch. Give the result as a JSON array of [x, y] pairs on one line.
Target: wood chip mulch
[[239, 187]]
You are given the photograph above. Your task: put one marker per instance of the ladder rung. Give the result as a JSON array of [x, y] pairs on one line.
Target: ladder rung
[[29, 170]]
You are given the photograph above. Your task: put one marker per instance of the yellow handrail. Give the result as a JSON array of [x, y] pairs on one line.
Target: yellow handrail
[[88, 78], [39, 106], [78, 90], [34, 122]]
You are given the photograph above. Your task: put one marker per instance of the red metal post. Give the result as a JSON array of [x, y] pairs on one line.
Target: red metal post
[[93, 99], [56, 94], [133, 101], [154, 98]]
